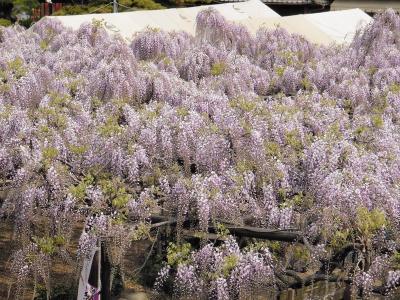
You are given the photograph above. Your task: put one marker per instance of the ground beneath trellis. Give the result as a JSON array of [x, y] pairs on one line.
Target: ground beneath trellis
[[6, 247], [133, 260], [64, 275]]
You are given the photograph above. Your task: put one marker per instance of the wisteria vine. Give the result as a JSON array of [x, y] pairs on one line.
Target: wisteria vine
[[268, 131]]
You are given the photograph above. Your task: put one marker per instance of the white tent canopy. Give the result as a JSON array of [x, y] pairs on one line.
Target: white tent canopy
[[128, 23], [294, 24], [321, 28], [340, 25]]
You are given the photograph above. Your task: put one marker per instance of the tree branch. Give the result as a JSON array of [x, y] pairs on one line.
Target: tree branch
[[247, 231], [302, 281]]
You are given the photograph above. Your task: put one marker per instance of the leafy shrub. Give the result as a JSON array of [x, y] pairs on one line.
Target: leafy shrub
[[146, 4], [5, 22]]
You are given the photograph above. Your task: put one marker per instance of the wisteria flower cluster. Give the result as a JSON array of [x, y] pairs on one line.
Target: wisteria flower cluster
[[268, 131], [223, 272]]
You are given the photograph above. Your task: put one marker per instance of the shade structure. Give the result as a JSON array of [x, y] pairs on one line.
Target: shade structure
[[294, 24], [320, 28], [175, 19], [340, 25]]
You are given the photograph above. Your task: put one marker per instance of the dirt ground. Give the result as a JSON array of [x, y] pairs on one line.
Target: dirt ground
[[6, 247], [61, 271]]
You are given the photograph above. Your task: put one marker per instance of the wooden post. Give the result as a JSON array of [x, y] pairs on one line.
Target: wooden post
[[99, 265], [85, 273], [290, 294], [105, 275]]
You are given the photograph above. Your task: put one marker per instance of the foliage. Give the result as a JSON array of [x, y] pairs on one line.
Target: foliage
[[77, 9], [5, 22], [189, 2], [368, 222], [146, 4], [217, 68], [94, 8], [178, 254], [23, 7]]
